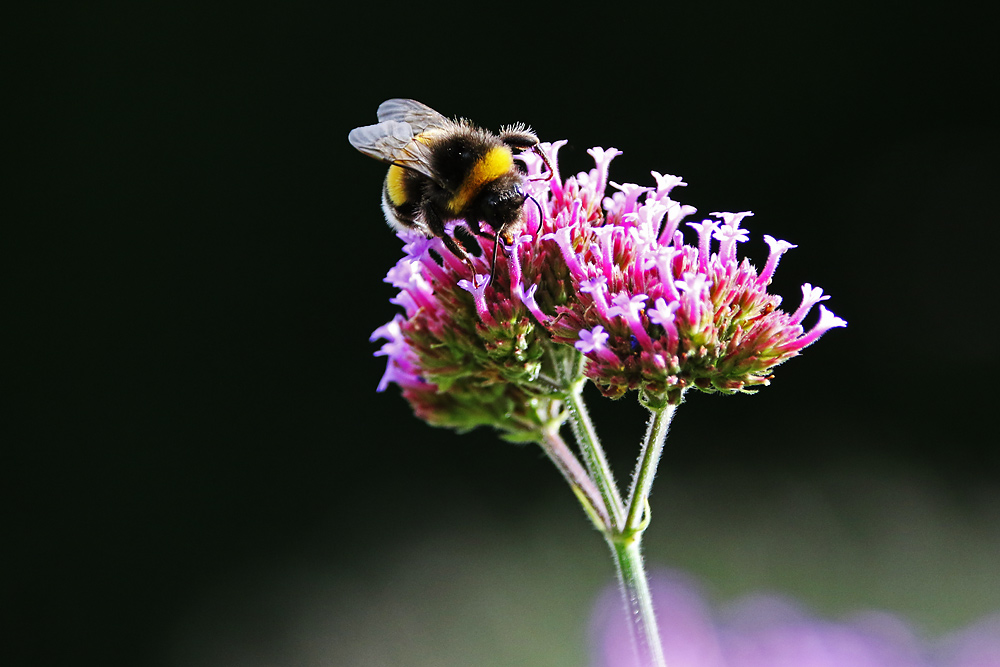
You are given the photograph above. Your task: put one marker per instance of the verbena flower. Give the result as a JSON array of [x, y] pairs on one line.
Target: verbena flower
[[768, 631], [654, 305]]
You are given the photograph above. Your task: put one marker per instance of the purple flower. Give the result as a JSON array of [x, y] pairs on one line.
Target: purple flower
[[977, 645], [769, 631], [591, 341], [611, 276], [708, 320]]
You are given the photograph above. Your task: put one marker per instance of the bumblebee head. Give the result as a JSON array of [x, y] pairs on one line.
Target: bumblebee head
[[502, 201]]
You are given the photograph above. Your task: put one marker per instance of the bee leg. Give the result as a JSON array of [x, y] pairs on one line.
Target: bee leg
[[458, 251], [436, 226], [473, 225]]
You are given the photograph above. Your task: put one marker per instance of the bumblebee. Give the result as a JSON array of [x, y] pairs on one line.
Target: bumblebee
[[444, 169]]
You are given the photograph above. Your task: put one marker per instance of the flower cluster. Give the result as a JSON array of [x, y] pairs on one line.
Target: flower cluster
[[608, 277], [448, 388], [768, 631]]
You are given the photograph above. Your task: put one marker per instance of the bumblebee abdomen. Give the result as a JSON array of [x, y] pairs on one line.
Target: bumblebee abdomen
[[396, 186], [401, 198]]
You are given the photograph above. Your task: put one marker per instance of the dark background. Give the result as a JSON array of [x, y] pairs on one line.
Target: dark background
[[197, 260]]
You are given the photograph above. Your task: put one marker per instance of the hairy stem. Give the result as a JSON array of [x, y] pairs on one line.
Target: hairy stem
[[593, 456], [638, 602], [649, 459], [562, 456], [623, 527]]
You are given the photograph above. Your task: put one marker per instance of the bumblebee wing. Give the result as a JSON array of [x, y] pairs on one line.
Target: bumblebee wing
[[384, 141], [393, 142], [419, 117]]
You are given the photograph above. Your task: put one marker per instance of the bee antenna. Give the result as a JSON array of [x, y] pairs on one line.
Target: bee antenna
[[541, 214]]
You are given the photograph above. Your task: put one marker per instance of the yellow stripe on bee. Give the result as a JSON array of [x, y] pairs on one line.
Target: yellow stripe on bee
[[395, 185], [497, 162]]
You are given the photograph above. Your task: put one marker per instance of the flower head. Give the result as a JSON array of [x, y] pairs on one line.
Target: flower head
[[654, 305]]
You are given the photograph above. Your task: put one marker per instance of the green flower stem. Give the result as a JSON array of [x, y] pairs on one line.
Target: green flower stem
[[624, 532], [626, 550], [586, 491], [645, 471], [593, 455]]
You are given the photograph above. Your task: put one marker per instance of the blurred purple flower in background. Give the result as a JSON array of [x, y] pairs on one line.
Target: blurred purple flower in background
[[770, 631]]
